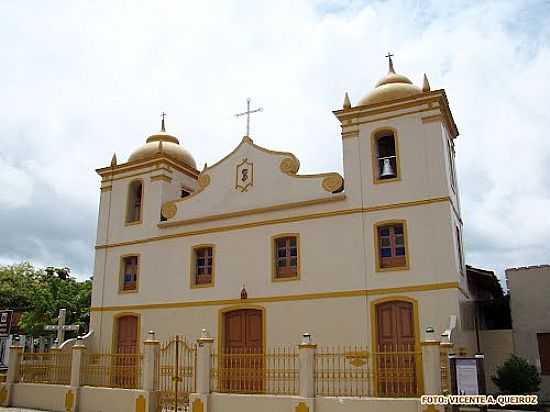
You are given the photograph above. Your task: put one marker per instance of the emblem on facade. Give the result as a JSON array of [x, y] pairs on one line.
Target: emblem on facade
[[244, 176]]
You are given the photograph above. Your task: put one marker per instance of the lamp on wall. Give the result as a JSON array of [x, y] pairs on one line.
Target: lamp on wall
[[429, 333], [306, 338]]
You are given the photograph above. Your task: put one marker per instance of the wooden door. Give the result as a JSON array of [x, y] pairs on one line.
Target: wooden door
[[124, 368], [395, 353], [127, 334], [243, 351]]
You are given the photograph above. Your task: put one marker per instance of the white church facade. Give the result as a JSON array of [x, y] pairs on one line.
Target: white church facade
[[257, 253]]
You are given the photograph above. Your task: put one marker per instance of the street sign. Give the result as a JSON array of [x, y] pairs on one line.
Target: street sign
[[5, 322]]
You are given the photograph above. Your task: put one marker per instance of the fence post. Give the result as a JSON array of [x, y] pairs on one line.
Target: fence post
[[151, 349], [79, 349], [199, 399], [307, 351], [431, 363], [14, 372]]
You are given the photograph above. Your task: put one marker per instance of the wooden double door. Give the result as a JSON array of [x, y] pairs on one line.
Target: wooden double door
[[395, 353], [242, 356], [124, 365]]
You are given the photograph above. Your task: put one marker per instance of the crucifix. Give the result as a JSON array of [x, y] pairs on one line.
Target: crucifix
[[390, 61], [61, 327], [248, 113], [162, 128]]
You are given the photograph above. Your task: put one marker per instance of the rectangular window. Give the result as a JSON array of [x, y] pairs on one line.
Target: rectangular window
[[544, 352], [203, 266], [392, 250], [451, 163], [286, 257], [129, 273], [460, 252]]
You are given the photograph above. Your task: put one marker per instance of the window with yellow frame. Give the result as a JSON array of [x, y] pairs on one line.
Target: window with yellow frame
[[386, 167], [286, 257], [202, 266], [391, 246]]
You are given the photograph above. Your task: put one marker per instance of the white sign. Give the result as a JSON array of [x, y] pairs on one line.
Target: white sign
[[466, 377]]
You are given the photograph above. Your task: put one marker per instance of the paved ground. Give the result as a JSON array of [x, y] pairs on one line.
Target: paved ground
[[2, 409]]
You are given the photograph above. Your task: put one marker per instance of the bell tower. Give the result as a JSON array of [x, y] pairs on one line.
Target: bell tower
[[398, 143]]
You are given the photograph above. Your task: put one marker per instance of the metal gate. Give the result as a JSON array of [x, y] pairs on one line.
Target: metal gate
[[176, 374]]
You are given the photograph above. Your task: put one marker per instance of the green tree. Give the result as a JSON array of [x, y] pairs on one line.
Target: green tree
[[516, 376], [40, 293]]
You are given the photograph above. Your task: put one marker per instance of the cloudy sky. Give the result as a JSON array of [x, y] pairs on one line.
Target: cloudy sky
[[81, 80]]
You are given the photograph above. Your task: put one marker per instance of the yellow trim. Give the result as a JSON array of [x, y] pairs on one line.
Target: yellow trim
[[431, 119], [285, 298], [114, 334], [394, 116], [248, 212], [243, 305], [298, 218], [157, 160], [106, 188], [192, 269], [156, 169], [438, 97], [374, 136], [140, 220], [163, 178], [376, 244], [274, 238], [374, 335], [121, 273]]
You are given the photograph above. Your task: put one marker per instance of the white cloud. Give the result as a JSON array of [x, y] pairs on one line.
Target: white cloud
[[82, 80], [15, 185]]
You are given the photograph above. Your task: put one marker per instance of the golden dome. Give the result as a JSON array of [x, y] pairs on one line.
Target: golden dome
[[165, 143], [392, 86]]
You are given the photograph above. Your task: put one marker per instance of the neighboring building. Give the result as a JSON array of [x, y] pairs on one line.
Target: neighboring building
[[530, 307], [492, 322], [257, 254]]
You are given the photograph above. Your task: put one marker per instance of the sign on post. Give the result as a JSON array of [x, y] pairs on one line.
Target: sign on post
[[467, 377], [5, 322]]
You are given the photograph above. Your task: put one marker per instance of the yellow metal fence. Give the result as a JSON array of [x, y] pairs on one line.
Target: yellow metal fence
[[45, 367], [113, 370], [391, 371], [274, 371]]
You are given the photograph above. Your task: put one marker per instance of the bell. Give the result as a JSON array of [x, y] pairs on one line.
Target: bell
[[387, 169]]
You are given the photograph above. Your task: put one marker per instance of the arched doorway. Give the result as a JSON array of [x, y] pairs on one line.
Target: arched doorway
[[242, 350], [395, 347]]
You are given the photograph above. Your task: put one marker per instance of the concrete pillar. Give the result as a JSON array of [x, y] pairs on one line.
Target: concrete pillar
[[13, 375], [151, 350], [306, 355], [16, 353], [432, 367], [79, 351], [199, 399]]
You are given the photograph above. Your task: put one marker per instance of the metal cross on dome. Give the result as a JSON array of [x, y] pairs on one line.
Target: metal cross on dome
[[248, 113]]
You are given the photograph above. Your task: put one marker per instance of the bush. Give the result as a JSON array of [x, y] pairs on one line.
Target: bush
[[517, 377]]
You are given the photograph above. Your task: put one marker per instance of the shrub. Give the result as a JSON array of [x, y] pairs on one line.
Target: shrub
[[516, 376]]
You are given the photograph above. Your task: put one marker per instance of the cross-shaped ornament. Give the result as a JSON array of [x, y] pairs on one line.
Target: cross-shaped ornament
[[248, 113], [61, 327], [390, 62], [162, 128]]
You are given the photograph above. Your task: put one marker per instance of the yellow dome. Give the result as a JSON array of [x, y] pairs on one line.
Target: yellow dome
[[392, 86], [165, 143]]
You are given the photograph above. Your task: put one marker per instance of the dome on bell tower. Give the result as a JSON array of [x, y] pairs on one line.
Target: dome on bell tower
[[390, 87], [166, 144]]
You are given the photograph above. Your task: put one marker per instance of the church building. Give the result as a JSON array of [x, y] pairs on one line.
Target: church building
[[257, 253]]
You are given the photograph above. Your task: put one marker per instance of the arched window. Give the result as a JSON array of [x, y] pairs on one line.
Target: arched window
[[135, 202], [386, 157]]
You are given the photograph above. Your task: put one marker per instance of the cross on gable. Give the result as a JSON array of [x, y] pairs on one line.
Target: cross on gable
[[247, 114]]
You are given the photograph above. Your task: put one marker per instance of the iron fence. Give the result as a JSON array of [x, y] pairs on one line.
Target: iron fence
[[274, 371], [391, 371], [112, 370], [45, 367]]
